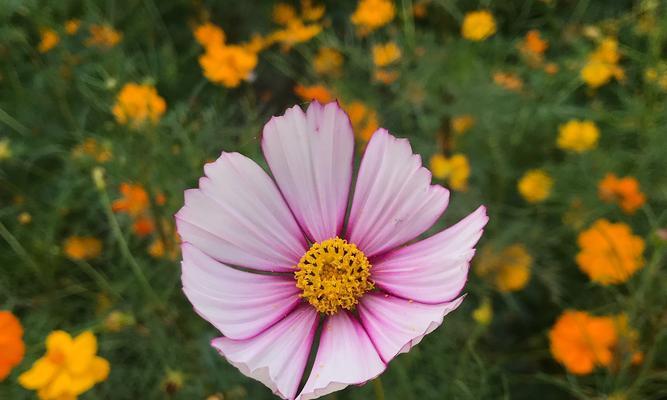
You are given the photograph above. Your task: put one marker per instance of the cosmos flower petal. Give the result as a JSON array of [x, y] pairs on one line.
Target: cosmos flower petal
[[395, 325], [394, 200], [433, 270], [238, 216], [310, 155], [346, 356], [276, 357], [240, 304]]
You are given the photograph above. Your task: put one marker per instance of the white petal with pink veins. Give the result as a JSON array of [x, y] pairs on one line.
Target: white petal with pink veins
[[395, 325], [238, 216], [394, 200], [433, 270], [277, 357], [346, 356], [310, 155], [240, 304]]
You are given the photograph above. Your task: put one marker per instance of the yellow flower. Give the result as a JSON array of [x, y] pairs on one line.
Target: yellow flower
[[508, 270], [228, 65], [103, 36], [69, 368], [372, 14], [137, 104], [5, 149], [478, 25], [385, 76], [610, 254], [483, 314], [49, 40], [91, 148], [460, 124], [72, 26], [455, 169], [296, 32], [24, 218], [602, 64], [283, 13], [578, 136], [309, 12], [364, 119], [328, 61], [314, 92], [535, 185], [82, 247], [385, 54], [208, 34]]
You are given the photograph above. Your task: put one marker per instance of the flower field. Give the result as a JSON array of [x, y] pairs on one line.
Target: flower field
[[541, 125]]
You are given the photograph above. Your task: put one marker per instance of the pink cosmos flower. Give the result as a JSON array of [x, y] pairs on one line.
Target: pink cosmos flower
[[267, 260]]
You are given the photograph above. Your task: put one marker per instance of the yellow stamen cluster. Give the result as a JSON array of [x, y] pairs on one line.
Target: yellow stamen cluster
[[333, 274]]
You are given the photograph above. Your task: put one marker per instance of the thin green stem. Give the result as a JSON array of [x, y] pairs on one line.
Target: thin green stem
[[378, 389]]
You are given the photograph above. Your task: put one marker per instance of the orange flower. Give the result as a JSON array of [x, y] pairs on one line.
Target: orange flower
[[143, 226], [134, 201], [372, 14], [295, 32], [581, 341], [228, 65], [508, 80], [364, 120], [82, 247], [208, 34], [609, 253], [103, 36], [508, 269], [534, 43], [137, 104], [328, 61], [50, 39], [12, 347], [314, 92], [625, 191]]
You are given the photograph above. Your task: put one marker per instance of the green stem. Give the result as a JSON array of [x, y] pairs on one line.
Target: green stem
[[378, 389], [20, 251]]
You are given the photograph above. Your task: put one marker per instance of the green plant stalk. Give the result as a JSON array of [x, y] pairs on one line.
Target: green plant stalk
[[378, 389]]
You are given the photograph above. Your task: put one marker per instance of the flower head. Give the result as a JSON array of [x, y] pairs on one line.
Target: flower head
[[624, 190], [49, 40], [104, 36], [375, 292], [602, 64], [134, 201], [228, 65], [508, 269], [533, 43], [581, 341], [363, 118], [455, 169], [328, 61], [386, 54], [69, 368], [535, 186], [12, 347], [461, 124], [72, 26], [283, 13], [209, 34], [82, 247], [372, 14], [609, 253], [478, 25], [296, 32], [137, 104], [314, 92], [578, 136]]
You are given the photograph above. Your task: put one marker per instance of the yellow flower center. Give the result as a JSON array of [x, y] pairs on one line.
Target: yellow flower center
[[333, 274], [56, 357]]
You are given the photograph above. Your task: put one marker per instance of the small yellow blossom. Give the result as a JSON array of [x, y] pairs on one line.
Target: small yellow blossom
[[91, 148], [283, 13], [137, 104], [296, 32], [24, 218], [535, 186], [72, 26], [372, 14], [49, 40], [364, 119], [208, 34], [328, 61], [310, 12], [509, 269], [314, 92], [5, 149], [483, 314], [385, 76], [385, 54], [69, 368], [602, 64], [455, 169], [103, 36], [478, 25], [578, 136], [460, 124], [82, 247]]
